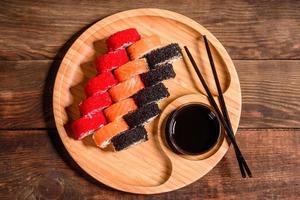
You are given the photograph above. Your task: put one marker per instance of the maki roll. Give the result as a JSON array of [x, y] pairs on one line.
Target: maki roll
[[142, 115], [163, 55], [131, 69], [126, 89], [111, 60], [151, 94], [129, 138], [120, 109], [103, 135], [100, 83], [95, 103], [86, 125], [143, 46], [157, 75], [122, 39]]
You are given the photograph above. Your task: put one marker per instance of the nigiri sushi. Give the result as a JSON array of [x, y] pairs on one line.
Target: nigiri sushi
[[151, 94], [130, 69], [95, 103], [103, 135], [122, 39], [142, 115], [129, 138], [126, 89], [166, 54], [143, 46], [119, 109], [86, 125], [157, 75], [111, 60], [100, 83]]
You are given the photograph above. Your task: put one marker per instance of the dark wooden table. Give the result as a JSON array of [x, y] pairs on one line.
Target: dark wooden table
[[263, 39]]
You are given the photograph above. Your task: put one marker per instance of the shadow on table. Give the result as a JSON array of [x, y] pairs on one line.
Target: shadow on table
[[48, 110]]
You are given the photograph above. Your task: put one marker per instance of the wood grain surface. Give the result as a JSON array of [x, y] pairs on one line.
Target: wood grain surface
[[38, 168], [263, 38], [270, 94], [248, 29]]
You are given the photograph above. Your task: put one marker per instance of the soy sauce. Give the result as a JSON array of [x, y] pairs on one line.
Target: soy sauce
[[192, 129]]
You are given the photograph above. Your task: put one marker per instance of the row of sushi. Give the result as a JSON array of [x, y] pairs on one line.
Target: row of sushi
[[123, 96]]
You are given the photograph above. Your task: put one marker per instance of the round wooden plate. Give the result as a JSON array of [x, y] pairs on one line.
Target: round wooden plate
[[150, 167]]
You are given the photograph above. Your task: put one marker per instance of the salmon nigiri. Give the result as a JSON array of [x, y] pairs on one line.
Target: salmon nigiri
[[103, 135], [131, 69], [119, 109], [143, 46], [126, 89]]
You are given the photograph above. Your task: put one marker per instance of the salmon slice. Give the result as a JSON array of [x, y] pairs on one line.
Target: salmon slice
[[126, 89], [103, 135], [131, 69], [119, 109], [143, 46]]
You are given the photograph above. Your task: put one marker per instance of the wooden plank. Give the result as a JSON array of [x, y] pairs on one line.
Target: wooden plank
[[35, 165], [270, 91], [249, 30], [26, 94]]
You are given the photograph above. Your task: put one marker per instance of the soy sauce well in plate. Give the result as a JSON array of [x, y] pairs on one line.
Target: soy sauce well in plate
[[193, 129]]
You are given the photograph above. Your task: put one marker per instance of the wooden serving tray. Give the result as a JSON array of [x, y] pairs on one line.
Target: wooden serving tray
[[150, 167]]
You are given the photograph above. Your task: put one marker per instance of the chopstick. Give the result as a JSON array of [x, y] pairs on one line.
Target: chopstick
[[213, 103], [223, 105]]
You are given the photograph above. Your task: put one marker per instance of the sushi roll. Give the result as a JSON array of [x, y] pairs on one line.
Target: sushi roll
[[159, 74], [122, 39], [142, 115], [86, 125], [100, 83], [163, 55], [120, 109], [103, 135], [131, 69], [151, 94], [143, 46], [126, 89], [111, 60], [95, 103], [129, 138]]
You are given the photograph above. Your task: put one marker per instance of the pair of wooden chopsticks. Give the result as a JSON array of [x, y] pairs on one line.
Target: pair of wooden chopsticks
[[224, 119]]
